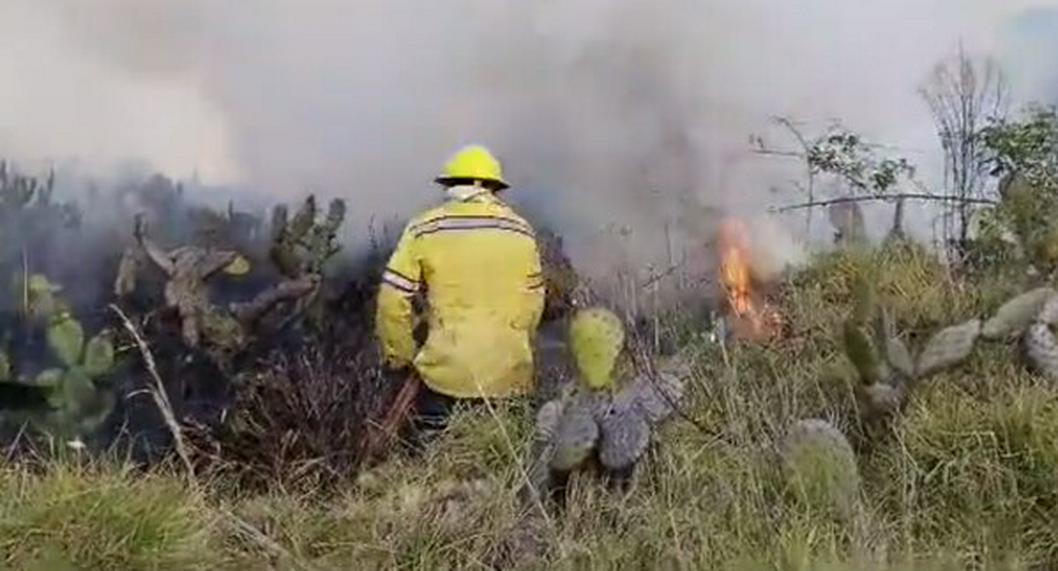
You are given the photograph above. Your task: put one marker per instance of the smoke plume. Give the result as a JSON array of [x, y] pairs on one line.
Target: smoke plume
[[607, 114]]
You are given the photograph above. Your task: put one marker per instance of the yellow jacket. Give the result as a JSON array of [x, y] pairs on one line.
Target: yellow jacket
[[479, 266]]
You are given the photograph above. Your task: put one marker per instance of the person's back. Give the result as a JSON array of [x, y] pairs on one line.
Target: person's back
[[478, 263]]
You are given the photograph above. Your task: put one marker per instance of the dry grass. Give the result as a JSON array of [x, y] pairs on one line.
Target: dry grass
[[967, 480]]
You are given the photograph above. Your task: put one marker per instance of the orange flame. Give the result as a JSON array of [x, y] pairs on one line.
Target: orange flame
[[752, 319]]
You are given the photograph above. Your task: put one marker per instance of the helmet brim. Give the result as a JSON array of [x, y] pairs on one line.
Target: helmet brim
[[490, 183]]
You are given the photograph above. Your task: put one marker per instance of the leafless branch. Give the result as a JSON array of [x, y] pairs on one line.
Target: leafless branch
[[156, 254], [161, 398], [883, 198], [290, 290]]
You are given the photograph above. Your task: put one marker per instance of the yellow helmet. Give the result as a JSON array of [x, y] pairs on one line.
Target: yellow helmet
[[473, 162]]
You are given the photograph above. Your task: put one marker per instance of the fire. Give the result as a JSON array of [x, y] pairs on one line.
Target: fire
[[752, 317]]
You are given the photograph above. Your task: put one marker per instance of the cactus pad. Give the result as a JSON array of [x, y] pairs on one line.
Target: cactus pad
[[99, 355], [949, 347], [1049, 312], [39, 293], [899, 357], [48, 378], [882, 399], [575, 436], [66, 339], [596, 337], [623, 437], [303, 220], [240, 266], [1015, 315], [862, 353], [128, 268], [1041, 349], [821, 467], [77, 390], [865, 299], [655, 397], [547, 419]]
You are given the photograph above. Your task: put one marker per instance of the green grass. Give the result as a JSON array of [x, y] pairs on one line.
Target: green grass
[[967, 479], [102, 517]]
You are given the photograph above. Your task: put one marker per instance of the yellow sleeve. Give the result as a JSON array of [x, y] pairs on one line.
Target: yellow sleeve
[[538, 291], [401, 280]]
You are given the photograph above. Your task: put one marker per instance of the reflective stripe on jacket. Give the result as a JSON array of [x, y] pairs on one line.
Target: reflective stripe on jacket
[[479, 265]]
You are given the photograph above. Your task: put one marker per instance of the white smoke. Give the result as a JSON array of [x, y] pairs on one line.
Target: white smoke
[[604, 111]]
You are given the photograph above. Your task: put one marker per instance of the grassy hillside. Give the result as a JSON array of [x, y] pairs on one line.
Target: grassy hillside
[[967, 479]]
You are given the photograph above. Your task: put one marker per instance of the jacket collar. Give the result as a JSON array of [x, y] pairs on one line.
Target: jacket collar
[[469, 193]]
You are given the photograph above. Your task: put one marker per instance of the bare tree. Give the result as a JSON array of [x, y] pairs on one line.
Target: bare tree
[[964, 96]]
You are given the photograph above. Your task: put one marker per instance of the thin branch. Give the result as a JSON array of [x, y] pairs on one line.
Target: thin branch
[[154, 253], [883, 198], [160, 397], [291, 290], [658, 277], [774, 153], [250, 533]]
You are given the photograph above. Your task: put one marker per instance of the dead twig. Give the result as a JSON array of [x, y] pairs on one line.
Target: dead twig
[[250, 533], [398, 413], [161, 398], [662, 275], [290, 290], [882, 198]]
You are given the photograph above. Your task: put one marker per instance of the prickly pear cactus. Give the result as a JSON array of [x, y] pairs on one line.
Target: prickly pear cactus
[[547, 419], [240, 266], [301, 245], [899, 357], [948, 348], [623, 437], [322, 243], [575, 435], [99, 355], [1032, 315], [66, 340], [37, 298], [820, 467], [128, 268], [1016, 315], [543, 448], [867, 352], [596, 337], [76, 404], [1041, 349], [1049, 312], [863, 354], [865, 300], [882, 399], [894, 352], [594, 418], [884, 363], [654, 397]]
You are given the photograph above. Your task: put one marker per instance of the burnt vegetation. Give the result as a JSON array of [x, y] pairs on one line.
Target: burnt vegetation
[[261, 329]]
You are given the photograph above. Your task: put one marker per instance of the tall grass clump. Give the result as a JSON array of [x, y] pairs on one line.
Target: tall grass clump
[[978, 472], [102, 516]]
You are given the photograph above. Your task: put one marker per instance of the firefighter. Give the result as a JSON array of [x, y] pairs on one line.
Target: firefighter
[[478, 265]]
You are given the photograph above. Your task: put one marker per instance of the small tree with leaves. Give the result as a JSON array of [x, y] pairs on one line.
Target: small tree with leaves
[[1023, 154], [845, 156]]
